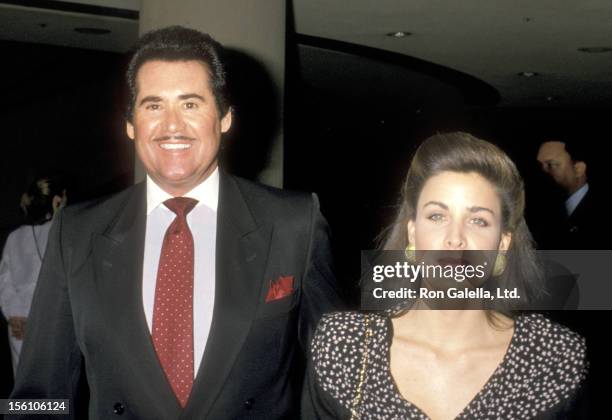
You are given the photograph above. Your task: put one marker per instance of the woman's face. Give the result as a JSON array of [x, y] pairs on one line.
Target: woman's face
[[458, 211]]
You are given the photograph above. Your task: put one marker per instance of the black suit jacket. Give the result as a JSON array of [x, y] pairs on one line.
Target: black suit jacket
[[587, 227], [87, 319]]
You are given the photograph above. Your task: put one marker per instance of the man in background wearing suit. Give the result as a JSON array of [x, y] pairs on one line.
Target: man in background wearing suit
[[189, 295], [577, 223]]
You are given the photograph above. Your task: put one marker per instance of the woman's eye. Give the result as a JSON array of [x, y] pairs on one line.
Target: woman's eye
[[436, 217], [480, 222]]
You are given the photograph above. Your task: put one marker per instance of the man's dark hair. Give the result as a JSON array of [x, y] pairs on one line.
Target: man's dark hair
[[176, 43], [41, 193], [578, 150]]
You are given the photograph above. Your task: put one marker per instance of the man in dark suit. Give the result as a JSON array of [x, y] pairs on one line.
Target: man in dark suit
[[190, 295], [581, 223], [577, 222]]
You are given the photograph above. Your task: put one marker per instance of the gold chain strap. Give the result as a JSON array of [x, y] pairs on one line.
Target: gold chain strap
[[362, 373]]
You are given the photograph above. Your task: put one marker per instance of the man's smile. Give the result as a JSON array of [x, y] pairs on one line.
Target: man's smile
[[175, 146], [174, 143]]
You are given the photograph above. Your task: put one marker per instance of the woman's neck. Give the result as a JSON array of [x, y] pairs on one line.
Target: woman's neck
[[449, 329]]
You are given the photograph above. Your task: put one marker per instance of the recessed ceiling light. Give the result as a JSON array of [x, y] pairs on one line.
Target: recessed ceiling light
[[528, 74], [551, 99], [92, 31], [595, 50], [399, 34]]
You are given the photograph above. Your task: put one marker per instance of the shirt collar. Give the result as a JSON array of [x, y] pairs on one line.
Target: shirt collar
[[207, 193], [572, 202]]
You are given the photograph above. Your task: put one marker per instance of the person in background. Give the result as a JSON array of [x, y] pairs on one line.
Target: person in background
[[577, 221], [574, 224], [23, 254]]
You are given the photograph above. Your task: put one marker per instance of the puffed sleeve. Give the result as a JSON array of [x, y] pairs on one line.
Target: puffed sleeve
[[317, 403], [574, 408]]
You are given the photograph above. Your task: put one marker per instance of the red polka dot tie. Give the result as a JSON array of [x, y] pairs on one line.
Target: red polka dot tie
[[173, 309]]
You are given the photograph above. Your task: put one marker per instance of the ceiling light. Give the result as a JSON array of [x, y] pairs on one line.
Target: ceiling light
[[528, 74], [595, 50], [399, 34], [92, 31], [550, 99]]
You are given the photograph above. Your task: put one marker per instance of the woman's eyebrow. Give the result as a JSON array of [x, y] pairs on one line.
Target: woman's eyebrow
[[436, 203], [475, 209], [472, 209]]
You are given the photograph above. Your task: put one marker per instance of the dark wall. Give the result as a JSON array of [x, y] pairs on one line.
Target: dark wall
[[62, 110]]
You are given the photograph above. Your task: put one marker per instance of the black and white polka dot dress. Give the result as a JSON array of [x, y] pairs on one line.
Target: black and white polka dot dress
[[540, 377]]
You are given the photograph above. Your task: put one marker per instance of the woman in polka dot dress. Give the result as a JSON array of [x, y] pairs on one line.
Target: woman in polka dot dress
[[461, 194]]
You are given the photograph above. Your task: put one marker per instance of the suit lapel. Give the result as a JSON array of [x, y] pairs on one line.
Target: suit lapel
[[118, 259], [241, 255]]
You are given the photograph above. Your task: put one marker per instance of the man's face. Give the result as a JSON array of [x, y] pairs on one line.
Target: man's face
[[557, 163], [176, 125]]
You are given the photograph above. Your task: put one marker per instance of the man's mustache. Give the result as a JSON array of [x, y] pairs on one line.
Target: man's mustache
[[178, 137]]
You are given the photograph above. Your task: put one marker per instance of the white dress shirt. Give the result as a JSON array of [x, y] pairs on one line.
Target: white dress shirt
[[19, 269], [202, 221], [572, 202]]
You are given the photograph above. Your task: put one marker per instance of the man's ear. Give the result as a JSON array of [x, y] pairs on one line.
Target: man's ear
[[129, 129], [410, 228], [504, 243], [226, 121], [57, 203], [580, 168]]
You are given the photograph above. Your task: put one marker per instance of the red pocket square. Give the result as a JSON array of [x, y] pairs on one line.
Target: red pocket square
[[280, 288]]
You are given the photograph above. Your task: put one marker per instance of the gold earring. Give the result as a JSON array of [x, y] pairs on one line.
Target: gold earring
[[500, 265], [410, 253]]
